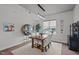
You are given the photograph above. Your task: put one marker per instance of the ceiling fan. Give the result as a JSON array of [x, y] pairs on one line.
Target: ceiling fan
[[39, 15], [41, 7]]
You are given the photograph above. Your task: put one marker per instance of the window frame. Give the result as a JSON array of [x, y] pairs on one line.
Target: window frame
[[49, 26]]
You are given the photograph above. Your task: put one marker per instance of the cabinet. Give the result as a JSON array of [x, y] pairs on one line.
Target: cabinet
[[74, 37]]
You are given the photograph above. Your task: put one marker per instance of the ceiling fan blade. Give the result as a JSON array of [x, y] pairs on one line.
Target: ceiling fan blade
[[41, 7]]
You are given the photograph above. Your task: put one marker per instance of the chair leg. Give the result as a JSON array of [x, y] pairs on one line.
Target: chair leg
[[45, 48], [48, 45]]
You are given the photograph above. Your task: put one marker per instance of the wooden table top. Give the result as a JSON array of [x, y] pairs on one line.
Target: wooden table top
[[39, 37]]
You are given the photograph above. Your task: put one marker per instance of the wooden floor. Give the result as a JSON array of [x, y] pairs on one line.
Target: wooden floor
[[65, 50], [8, 51]]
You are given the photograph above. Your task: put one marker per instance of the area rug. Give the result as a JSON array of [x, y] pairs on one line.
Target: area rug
[[6, 52], [55, 49]]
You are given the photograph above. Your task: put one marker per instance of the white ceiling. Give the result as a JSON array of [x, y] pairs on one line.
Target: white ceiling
[[57, 8], [50, 8]]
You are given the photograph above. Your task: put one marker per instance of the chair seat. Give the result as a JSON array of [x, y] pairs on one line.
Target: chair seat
[[46, 42]]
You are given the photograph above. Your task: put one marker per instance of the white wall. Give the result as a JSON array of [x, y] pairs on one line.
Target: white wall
[[68, 19], [76, 13], [18, 16]]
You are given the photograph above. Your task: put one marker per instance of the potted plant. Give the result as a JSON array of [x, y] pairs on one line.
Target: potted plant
[[38, 27]]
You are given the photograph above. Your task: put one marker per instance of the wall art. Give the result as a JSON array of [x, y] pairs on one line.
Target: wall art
[[8, 27]]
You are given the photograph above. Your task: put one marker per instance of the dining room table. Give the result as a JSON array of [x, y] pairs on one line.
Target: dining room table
[[38, 38]]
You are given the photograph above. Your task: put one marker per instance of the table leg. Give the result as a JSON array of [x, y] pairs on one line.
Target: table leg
[[42, 46], [32, 43]]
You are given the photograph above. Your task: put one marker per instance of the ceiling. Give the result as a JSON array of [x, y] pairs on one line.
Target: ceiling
[[50, 9]]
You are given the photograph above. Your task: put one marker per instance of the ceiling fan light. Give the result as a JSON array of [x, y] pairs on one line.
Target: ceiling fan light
[[41, 17]]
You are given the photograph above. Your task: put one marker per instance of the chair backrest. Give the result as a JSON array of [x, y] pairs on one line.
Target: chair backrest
[[47, 40]]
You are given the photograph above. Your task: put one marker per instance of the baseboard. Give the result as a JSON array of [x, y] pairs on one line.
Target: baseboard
[[60, 42], [16, 46]]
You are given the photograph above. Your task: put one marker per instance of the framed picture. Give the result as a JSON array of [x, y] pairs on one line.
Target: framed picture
[[8, 27], [62, 25]]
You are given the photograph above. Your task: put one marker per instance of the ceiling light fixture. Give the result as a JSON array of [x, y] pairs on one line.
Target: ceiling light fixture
[[41, 17]]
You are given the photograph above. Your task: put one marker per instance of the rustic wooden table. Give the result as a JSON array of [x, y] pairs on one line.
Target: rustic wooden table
[[41, 38]]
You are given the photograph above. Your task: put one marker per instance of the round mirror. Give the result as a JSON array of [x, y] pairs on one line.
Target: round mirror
[[25, 29]]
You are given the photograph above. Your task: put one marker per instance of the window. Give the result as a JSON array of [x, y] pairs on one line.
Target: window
[[45, 25], [49, 27]]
